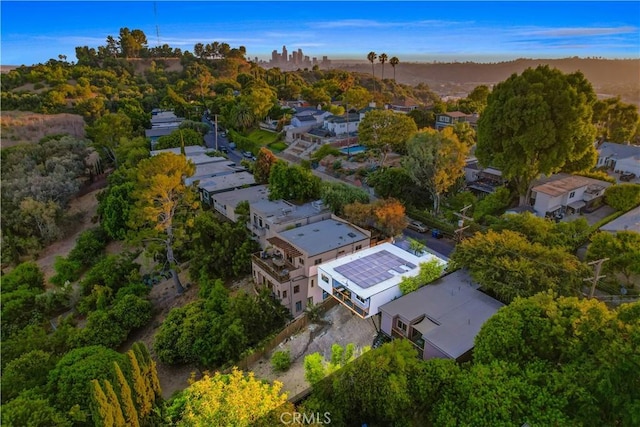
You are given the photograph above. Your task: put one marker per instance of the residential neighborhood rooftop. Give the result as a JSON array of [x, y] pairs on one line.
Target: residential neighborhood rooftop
[[281, 211], [375, 269], [227, 182], [454, 310], [323, 236], [189, 150], [250, 194], [620, 151], [562, 183]]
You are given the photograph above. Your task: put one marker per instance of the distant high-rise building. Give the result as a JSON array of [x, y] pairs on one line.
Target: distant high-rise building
[[284, 53]]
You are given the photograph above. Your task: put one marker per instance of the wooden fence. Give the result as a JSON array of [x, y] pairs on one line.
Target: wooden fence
[[292, 328]]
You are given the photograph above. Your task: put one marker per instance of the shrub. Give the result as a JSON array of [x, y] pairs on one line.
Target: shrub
[[66, 270], [89, 247], [622, 197], [27, 274], [281, 360]]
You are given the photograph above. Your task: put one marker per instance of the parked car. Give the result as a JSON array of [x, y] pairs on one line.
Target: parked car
[[232, 145], [224, 150], [627, 176], [417, 226], [247, 154]]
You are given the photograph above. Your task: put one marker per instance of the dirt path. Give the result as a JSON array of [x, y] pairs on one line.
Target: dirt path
[[87, 205]]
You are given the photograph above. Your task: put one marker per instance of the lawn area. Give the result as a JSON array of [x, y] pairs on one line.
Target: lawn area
[[277, 147], [262, 137]]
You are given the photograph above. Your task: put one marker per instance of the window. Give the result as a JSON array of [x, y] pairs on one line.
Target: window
[[318, 261], [298, 306], [301, 261], [296, 289], [325, 295], [278, 293], [359, 298], [324, 278], [284, 294], [310, 301], [312, 283], [573, 193], [340, 252], [358, 247], [402, 326]]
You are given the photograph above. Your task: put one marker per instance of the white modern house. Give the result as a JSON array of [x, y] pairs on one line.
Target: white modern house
[[226, 202], [566, 194], [367, 279]]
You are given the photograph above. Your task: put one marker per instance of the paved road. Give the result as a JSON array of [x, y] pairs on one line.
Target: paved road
[[442, 246], [222, 142]]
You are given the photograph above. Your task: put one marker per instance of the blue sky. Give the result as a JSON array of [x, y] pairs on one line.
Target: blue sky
[[34, 32]]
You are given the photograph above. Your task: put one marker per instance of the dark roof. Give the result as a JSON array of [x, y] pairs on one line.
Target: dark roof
[[306, 118], [454, 306]]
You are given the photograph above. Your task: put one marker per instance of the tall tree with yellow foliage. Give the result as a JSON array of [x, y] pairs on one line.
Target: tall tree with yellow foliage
[[164, 205]]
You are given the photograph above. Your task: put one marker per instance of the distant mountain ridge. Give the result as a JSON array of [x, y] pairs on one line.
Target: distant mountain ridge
[[610, 77]]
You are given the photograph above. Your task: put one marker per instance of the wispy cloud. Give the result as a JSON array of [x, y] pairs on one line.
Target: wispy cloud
[[351, 23], [581, 31]]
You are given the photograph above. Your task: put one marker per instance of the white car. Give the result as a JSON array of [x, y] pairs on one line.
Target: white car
[[417, 226]]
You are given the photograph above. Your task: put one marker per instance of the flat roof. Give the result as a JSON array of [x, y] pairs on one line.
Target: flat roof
[[227, 182], [366, 279], [455, 310], [562, 183], [323, 236], [189, 150], [627, 222], [282, 211], [250, 194], [149, 133]]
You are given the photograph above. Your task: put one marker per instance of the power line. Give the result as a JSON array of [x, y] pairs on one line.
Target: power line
[[155, 14], [596, 276]]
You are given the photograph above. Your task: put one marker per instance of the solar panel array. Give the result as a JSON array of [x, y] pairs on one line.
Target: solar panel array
[[373, 269]]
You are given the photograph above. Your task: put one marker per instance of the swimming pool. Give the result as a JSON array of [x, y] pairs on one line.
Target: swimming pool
[[355, 149]]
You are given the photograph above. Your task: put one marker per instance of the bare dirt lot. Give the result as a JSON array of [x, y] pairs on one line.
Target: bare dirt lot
[[341, 327]]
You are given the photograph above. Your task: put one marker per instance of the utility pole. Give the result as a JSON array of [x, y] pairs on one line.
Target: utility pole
[[461, 227], [596, 276]]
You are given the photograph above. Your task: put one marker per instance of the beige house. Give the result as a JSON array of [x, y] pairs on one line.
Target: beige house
[[288, 267]]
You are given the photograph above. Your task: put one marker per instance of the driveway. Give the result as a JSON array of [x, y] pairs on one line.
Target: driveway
[[341, 327]]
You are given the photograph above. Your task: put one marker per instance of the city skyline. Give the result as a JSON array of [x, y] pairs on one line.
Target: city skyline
[[413, 31]]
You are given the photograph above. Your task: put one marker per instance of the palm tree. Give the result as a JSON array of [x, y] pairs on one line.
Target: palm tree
[[383, 58], [394, 61], [372, 57]]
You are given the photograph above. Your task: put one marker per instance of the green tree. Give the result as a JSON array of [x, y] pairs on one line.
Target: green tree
[[33, 412], [164, 204], [510, 266], [435, 160], [107, 132], [566, 234], [26, 372], [68, 382], [264, 161], [479, 96], [538, 122], [383, 59], [493, 204], [371, 57], [385, 131], [394, 61], [292, 182], [616, 121], [337, 195], [429, 271], [623, 251], [356, 97], [179, 138], [281, 360], [26, 274], [114, 209], [622, 197]]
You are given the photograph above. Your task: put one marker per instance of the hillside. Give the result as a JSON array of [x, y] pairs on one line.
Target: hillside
[[24, 127], [609, 77]]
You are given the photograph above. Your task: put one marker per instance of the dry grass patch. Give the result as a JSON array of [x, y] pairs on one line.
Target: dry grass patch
[[20, 127]]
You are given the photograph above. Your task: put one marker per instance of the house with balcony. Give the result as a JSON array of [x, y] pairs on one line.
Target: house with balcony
[[267, 218], [563, 194], [226, 202], [441, 319], [450, 118], [482, 181], [289, 266], [367, 279]]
